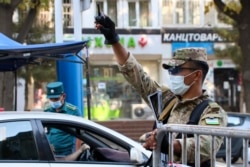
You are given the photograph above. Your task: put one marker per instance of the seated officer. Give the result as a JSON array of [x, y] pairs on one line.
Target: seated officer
[[63, 143]]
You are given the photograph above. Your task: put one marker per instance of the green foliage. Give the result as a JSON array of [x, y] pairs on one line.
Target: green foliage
[[5, 1], [231, 35], [25, 5], [233, 5], [231, 51], [45, 71], [226, 20], [40, 32]]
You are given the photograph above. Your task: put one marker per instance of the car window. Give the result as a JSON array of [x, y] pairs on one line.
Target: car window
[[108, 142], [17, 141], [234, 120], [91, 137]]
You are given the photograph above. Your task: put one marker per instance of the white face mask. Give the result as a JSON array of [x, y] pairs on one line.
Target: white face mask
[[56, 104], [177, 85]]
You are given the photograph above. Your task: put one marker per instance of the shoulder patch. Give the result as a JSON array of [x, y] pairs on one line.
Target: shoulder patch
[[70, 106], [214, 105], [212, 121]]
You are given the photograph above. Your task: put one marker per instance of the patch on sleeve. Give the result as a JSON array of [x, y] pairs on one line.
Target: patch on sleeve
[[212, 121]]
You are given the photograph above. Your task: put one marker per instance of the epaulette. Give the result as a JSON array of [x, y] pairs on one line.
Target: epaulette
[[214, 105], [70, 106], [46, 106]]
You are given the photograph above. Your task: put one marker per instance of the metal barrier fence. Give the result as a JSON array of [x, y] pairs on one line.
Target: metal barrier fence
[[212, 131]]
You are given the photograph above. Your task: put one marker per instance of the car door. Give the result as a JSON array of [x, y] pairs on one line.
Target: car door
[[95, 138], [18, 146]]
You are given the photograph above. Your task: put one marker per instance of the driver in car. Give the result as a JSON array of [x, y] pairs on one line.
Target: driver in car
[[75, 155]]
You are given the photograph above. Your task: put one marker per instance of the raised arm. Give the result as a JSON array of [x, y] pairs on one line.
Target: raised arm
[[107, 28]]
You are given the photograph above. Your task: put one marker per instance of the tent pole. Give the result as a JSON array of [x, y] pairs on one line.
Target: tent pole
[[15, 105], [88, 83]]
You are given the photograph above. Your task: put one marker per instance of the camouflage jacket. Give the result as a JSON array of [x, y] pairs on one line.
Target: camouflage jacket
[[181, 110]]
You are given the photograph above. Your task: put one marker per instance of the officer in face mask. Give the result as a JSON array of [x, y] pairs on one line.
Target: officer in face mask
[[62, 143], [187, 68], [187, 71]]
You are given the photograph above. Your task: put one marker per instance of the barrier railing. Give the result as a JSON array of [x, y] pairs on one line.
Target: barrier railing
[[212, 131]]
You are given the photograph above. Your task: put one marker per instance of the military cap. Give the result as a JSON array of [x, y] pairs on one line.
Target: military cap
[[181, 56], [54, 89]]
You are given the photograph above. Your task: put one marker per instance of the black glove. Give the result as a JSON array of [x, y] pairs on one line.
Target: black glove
[[107, 29]]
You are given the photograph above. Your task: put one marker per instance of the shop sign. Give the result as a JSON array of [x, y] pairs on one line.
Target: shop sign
[[190, 35], [131, 42]]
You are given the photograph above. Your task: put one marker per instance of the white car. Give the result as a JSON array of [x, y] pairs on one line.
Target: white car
[[23, 141]]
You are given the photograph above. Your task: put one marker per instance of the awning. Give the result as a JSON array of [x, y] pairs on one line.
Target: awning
[[14, 55]]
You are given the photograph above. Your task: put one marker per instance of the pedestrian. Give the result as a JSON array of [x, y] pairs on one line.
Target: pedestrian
[[187, 70], [63, 143]]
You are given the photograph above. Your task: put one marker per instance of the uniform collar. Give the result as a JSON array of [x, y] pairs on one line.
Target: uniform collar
[[202, 96]]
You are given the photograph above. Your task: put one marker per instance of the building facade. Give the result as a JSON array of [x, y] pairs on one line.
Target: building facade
[[152, 30]]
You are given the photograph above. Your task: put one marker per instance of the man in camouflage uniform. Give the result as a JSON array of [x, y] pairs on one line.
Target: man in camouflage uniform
[[61, 142], [187, 69]]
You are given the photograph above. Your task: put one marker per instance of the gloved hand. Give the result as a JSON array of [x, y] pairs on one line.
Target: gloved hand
[[107, 28]]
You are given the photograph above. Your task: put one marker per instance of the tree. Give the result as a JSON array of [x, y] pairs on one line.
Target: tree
[[37, 75], [239, 11], [28, 11]]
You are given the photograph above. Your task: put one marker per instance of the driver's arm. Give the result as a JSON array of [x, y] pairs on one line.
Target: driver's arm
[[76, 154]]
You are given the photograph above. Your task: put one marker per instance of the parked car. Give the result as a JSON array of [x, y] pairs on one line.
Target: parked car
[[23, 141], [237, 121]]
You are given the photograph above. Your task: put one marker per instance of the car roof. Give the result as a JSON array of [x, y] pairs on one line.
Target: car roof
[[21, 115], [13, 115]]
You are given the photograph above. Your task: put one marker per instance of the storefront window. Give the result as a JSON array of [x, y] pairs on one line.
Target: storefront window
[[111, 96]]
